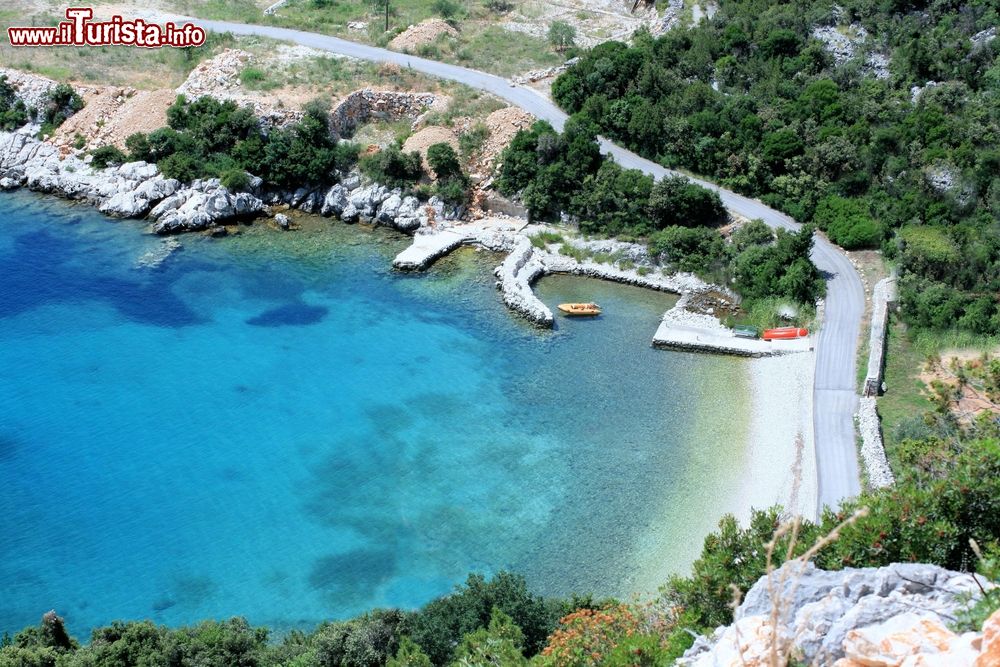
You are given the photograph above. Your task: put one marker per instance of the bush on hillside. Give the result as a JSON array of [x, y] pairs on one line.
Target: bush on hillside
[[13, 113], [107, 156], [392, 168]]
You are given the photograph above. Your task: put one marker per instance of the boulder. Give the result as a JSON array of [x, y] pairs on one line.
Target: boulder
[[335, 200], [349, 214], [389, 209]]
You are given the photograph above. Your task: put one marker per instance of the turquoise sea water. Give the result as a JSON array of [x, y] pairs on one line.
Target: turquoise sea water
[[276, 425]]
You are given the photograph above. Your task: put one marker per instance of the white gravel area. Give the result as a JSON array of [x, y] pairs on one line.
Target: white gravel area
[[779, 465]]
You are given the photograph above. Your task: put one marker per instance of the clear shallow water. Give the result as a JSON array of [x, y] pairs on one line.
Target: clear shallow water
[[277, 426]]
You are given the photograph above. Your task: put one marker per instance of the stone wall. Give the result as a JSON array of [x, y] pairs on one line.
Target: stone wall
[[882, 297], [367, 104], [869, 426]]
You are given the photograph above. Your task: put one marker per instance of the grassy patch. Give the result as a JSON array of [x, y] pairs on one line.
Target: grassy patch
[[767, 313], [243, 11], [543, 238], [907, 352], [904, 397], [498, 51], [570, 250]]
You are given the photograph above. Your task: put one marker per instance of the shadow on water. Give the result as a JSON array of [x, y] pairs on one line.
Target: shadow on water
[[357, 572], [54, 278], [293, 314]]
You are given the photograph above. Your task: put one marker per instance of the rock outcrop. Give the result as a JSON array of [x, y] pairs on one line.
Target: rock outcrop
[[132, 190], [138, 190], [877, 617]]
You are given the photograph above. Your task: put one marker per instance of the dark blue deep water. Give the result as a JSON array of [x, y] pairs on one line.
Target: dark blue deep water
[[278, 426]]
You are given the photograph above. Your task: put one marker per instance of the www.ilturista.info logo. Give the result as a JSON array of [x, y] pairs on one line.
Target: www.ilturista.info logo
[[79, 30]]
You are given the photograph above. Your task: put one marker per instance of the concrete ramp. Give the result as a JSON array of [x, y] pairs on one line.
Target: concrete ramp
[[676, 336]]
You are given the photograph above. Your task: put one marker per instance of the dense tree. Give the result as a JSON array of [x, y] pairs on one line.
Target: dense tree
[[441, 624], [13, 113], [561, 35], [695, 249], [675, 200], [847, 222], [212, 138]]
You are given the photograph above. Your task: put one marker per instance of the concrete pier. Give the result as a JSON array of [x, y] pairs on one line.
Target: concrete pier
[[428, 247]]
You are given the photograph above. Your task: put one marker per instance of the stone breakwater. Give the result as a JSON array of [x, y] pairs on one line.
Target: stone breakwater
[[515, 278], [880, 617]]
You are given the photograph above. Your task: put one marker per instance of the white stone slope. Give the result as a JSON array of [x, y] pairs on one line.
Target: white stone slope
[[897, 615]]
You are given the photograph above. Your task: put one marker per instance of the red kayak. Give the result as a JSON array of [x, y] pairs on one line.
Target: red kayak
[[784, 333]]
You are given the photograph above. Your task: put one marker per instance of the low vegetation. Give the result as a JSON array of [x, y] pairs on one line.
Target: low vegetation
[[210, 138], [13, 113]]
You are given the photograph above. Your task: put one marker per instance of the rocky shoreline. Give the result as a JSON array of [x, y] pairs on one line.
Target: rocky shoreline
[[138, 190]]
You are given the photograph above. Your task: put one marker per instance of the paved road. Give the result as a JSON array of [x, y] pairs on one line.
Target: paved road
[[834, 399]]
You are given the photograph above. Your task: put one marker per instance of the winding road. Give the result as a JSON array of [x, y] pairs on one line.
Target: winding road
[[834, 398]]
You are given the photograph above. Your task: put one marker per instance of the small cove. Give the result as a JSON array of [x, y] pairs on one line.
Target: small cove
[[279, 426]]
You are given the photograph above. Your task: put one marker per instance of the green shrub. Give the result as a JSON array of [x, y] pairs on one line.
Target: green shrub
[[454, 190], [138, 148], [391, 167], [499, 6], [255, 78], [446, 9], [182, 166], [235, 179], [107, 156], [13, 113], [443, 160], [409, 655], [544, 237], [847, 223], [755, 232], [437, 626], [61, 103], [570, 250], [561, 35], [471, 141], [674, 200]]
